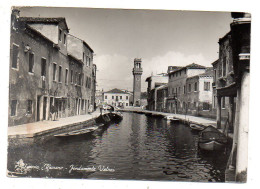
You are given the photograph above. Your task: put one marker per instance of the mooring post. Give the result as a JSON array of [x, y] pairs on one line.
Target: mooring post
[[218, 112]]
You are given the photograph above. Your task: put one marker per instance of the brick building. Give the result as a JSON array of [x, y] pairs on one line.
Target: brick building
[[41, 71]]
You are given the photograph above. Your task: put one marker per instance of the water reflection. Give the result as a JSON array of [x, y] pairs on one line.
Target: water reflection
[[139, 147]]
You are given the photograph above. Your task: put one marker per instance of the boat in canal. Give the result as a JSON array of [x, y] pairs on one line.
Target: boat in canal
[[211, 139], [79, 132], [196, 127]]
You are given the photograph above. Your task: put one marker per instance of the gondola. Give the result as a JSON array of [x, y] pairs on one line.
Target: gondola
[[211, 139], [78, 132], [196, 127]]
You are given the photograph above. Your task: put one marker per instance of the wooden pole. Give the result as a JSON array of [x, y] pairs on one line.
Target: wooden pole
[[218, 112]]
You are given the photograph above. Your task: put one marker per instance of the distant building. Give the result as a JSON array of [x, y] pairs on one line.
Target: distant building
[[42, 73], [117, 97], [177, 86], [137, 73], [154, 81], [99, 97]]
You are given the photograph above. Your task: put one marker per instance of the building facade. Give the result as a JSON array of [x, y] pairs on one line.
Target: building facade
[[154, 81], [41, 69], [117, 97], [199, 94], [161, 94], [177, 87], [137, 73]]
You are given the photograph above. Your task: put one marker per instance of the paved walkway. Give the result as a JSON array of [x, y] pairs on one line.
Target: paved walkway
[[31, 129], [187, 118]]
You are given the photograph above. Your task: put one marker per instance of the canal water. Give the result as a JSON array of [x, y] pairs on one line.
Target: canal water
[[140, 147]]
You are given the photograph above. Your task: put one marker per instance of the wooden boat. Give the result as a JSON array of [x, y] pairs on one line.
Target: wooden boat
[[196, 127], [109, 118], [211, 139], [78, 132]]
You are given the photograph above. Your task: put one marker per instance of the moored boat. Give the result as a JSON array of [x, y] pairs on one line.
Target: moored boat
[[78, 132], [196, 127], [211, 139]]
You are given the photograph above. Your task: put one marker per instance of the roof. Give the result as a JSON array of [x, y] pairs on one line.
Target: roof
[[84, 42], [208, 73], [118, 91], [158, 75], [190, 66], [44, 20], [224, 37], [215, 62]]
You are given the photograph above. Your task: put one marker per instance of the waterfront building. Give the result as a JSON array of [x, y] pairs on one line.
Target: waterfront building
[[177, 86], [154, 81], [199, 94], [137, 73], [224, 94], [117, 97], [161, 94], [41, 71]]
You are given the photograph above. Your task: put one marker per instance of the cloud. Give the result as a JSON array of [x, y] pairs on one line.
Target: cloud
[[115, 71]]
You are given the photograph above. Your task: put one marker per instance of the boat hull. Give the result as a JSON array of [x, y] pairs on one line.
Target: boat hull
[[211, 145]]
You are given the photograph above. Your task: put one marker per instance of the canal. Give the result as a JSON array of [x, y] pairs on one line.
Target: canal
[[140, 147]]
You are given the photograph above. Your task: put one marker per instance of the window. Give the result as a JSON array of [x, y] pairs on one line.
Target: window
[[83, 57], [60, 32], [126, 97], [184, 89], [82, 80], [71, 76], [13, 107], [89, 82], [15, 56], [86, 82], [224, 69], [105, 96], [65, 37], [126, 104], [189, 87], [31, 62], [180, 90], [76, 75], [79, 81], [60, 70], [112, 97], [214, 102], [223, 105], [29, 106], [195, 86], [205, 106], [194, 104], [120, 97], [54, 71], [43, 67], [215, 75], [206, 86], [66, 76]]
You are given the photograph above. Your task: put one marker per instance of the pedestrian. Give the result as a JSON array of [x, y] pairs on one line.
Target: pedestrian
[[101, 108], [54, 112]]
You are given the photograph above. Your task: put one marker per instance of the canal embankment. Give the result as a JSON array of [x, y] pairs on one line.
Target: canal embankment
[[180, 117], [31, 132]]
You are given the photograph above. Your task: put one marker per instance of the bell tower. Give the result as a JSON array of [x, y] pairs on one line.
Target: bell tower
[[137, 73]]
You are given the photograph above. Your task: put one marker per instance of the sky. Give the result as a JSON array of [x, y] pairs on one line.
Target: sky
[[161, 38]]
